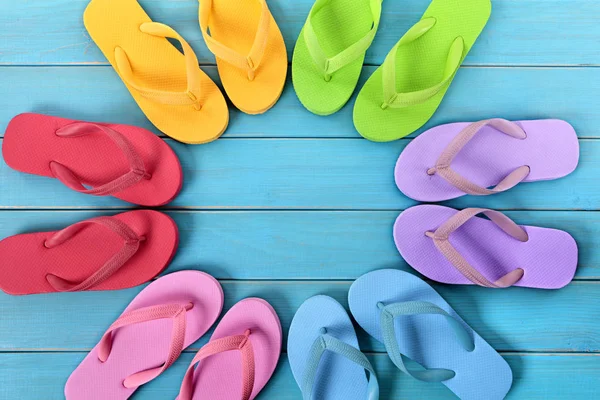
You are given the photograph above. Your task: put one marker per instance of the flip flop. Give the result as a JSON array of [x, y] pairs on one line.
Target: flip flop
[[451, 246], [324, 354], [414, 322], [250, 51], [102, 253], [240, 358], [452, 160], [169, 87], [404, 92], [129, 163], [167, 316], [329, 53]]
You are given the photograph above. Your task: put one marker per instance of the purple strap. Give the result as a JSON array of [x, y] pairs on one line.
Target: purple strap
[[441, 240], [131, 245], [136, 172], [443, 169]]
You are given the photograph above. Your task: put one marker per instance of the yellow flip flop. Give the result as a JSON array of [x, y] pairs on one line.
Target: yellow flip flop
[[250, 51], [169, 87]]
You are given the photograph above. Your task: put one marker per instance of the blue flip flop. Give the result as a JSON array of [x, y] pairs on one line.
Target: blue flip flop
[[414, 322], [324, 354]]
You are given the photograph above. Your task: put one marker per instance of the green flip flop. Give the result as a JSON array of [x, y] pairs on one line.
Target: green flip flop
[[330, 50], [404, 92]]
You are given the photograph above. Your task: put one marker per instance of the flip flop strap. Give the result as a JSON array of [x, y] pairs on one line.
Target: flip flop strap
[[241, 343], [327, 342], [193, 93], [175, 312], [136, 173], [249, 63], [394, 99], [390, 311], [442, 243], [443, 164], [131, 244], [329, 65]]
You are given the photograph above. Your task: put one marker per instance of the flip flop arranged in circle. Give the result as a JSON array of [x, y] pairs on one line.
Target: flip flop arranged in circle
[[169, 87], [404, 92], [127, 162], [166, 317], [102, 253]]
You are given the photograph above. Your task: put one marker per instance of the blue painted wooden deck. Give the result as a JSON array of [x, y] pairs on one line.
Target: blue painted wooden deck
[[288, 205]]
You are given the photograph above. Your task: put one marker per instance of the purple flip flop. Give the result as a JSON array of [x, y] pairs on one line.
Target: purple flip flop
[[451, 246], [452, 160]]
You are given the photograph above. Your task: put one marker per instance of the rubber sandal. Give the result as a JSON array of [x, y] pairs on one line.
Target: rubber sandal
[[169, 87], [167, 316], [329, 53], [451, 246], [324, 354], [414, 322], [452, 160], [129, 163], [102, 253], [240, 357], [250, 51], [404, 92]]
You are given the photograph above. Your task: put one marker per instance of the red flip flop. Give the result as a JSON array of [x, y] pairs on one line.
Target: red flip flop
[[103, 253], [124, 161]]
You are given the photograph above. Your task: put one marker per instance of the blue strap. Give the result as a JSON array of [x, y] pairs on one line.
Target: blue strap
[[328, 342], [391, 311]]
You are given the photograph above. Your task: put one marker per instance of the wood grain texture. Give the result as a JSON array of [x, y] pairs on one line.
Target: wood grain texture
[[97, 94], [536, 377], [556, 320], [524, 32], [306, 174], [302, 244]]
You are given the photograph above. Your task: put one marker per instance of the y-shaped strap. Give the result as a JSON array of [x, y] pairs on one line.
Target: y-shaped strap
[[176, 312], [250, 62], [443, 168], [390, 311], [191, 96], [241, 343], [394, 99], [329, 65], [131, 244], [136, 173], [441, 240], [327, 342]]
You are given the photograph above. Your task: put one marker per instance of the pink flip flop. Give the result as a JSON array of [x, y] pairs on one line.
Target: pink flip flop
[[253, 330], [455, 247], [127, 162], [452, 160], [166, 317], [103, 253]]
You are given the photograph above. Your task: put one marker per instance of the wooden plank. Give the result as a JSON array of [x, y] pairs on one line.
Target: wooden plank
[[302, 244], [515, 319], [97, 94], [306, 174], [544, 376], [32, 33]]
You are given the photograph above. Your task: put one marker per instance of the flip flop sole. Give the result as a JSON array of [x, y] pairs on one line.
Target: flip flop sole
[[31, 144], [25, 261], [337, 377], [234, 25], [549, 257], [142, 346], [419, 65], [220, 376], [157, 65], [342, 22], [429, 339], [551, 150]]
